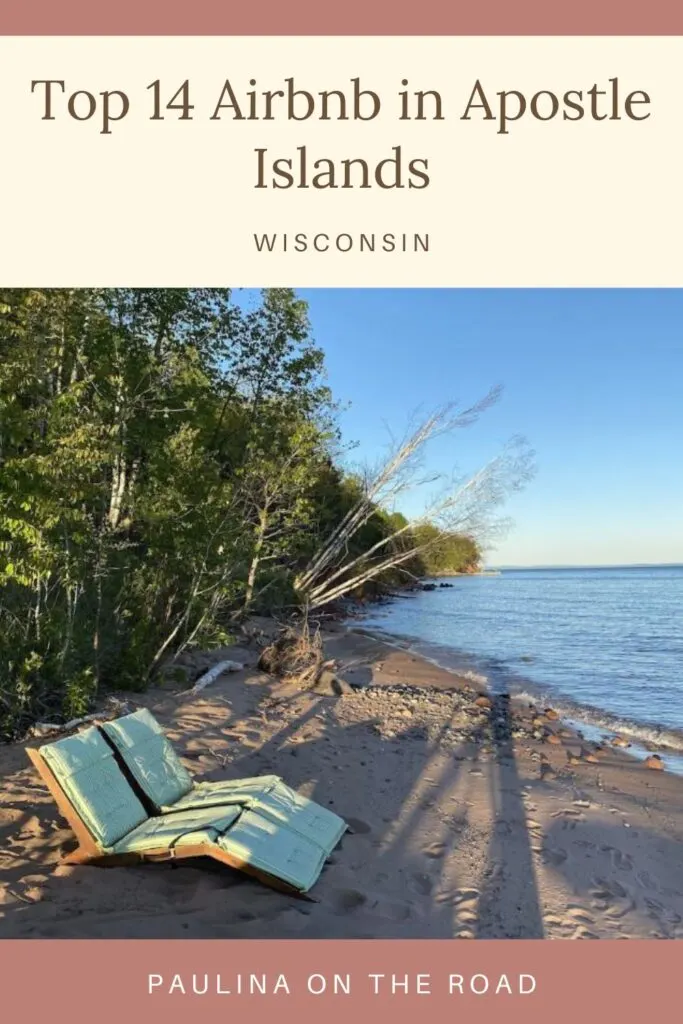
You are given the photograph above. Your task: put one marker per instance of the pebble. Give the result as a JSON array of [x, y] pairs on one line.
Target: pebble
[[551, 714], [654, 761]]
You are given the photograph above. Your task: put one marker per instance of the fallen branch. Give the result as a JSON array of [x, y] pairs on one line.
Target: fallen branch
[[210, 676], [48, 728]]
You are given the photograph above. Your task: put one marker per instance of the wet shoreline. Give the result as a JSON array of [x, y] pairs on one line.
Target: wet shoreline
[[590, 723]]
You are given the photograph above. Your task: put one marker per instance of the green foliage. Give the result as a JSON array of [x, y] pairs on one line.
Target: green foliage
[[166, 467], [144, 435], [444, 553]]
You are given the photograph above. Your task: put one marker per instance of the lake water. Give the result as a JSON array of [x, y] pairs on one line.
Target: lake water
[[605, 645]]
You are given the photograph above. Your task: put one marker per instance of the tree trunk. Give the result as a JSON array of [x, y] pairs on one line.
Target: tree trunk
[[118, 489], [255, 561]]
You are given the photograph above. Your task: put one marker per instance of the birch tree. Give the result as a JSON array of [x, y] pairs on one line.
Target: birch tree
[[467, 505], [152, 477]]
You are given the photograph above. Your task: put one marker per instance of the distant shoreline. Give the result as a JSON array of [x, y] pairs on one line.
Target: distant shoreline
[[446, 574], [552, 568]]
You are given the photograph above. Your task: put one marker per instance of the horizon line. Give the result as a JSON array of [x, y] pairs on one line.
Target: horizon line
[[589, 565]]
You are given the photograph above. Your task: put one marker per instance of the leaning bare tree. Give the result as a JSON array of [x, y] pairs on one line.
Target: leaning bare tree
[[468, 505]]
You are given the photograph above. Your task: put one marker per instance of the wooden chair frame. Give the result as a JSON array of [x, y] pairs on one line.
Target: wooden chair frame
[[89, 851]]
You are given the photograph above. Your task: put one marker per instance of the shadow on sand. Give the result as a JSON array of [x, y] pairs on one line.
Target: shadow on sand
[[432, 855]]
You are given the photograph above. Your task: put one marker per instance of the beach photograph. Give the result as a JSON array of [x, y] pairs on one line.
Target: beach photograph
[[341, 613]]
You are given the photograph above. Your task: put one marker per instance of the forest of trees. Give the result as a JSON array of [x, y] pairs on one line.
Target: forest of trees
[[169, 462]]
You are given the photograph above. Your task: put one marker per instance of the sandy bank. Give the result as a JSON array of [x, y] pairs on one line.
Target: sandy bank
[[465, 823]]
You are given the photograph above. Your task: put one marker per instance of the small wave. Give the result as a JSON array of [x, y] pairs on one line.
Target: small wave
[[593, 723], [654, 736], [497, 675]]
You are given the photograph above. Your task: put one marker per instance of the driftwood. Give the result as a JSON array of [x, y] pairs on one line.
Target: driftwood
[[296, 656], [210, 677], [116, 708], [47, 728], [295, 653]]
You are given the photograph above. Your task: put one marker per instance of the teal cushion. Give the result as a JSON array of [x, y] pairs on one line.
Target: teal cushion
[[150, 757], [284, 805], [172, 831], [228, 791], [252, 840], [263, 844], [86, 769], [273, 799]]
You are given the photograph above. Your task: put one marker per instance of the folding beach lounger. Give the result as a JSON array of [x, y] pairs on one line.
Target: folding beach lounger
[[170, 789], [112, 826]]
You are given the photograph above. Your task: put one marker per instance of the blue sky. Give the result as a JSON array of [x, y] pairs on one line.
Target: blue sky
[[592, 378]]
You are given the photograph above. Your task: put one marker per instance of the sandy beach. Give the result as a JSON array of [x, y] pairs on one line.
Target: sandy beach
[[471, 818]]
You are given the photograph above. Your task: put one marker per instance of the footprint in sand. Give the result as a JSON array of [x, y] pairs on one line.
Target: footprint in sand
[[621, 861], [464, 898], [658, 911], [553, 921], [347, 900], [607, 888], [466, 918], [358, 827], [554, 855], [615, 913], [569, 816], [435, 850], [422, 884], [579, 914], [395, 911], [613, 898], [494, 873]]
